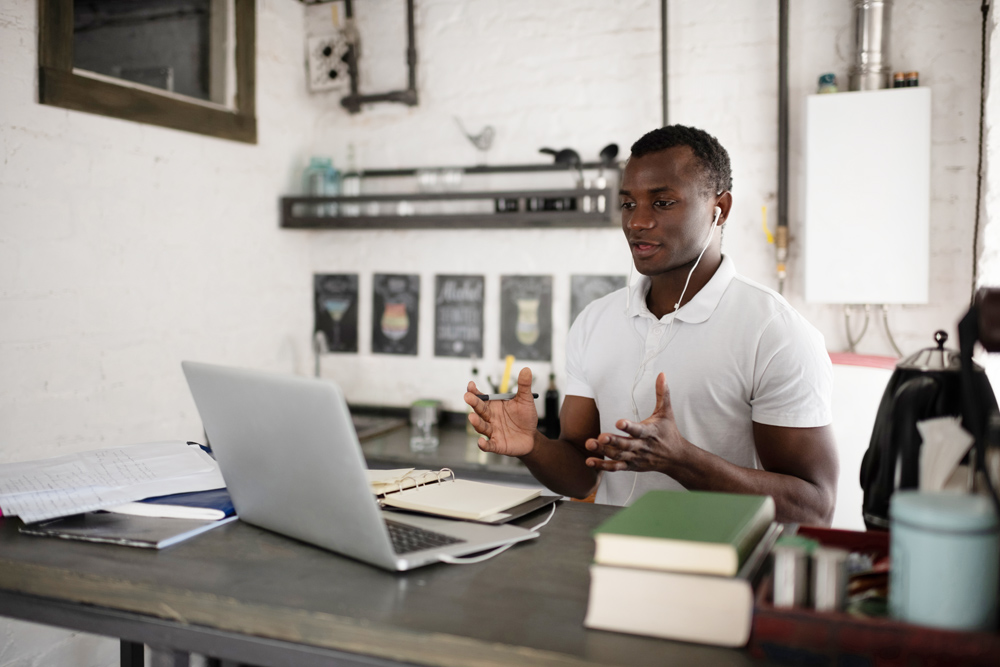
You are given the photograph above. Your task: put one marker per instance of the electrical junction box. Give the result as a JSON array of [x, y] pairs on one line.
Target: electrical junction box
[[326, 62]]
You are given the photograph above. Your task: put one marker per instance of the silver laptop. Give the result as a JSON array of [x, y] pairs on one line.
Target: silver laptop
[[293, 464]]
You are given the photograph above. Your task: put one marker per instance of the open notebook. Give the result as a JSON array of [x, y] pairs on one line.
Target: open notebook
[[441, 494]]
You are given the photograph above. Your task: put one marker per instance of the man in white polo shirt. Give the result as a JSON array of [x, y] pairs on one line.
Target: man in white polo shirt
[[694, 377]]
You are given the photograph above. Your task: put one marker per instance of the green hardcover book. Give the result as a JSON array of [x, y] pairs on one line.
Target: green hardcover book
[[685, 531]]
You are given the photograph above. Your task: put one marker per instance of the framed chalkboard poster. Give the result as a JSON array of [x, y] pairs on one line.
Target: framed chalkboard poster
[[335, 304], [584, 289], [395, 313], [526, 317], [458, 316]]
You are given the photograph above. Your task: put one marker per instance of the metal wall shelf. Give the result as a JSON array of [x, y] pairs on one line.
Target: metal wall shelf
[[551, 208]]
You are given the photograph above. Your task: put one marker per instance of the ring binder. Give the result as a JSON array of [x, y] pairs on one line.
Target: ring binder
[[416, 479], [441, 493]]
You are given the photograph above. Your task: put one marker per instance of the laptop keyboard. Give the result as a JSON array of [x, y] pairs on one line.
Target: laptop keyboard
[[407, 539]]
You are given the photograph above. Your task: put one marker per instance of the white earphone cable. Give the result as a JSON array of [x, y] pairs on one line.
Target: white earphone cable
[[465, 560], [666, 339]]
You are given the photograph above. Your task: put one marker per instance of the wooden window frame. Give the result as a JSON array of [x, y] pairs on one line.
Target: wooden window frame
[[60, 86]]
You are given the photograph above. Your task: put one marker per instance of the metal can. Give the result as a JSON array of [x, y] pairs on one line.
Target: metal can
[[791, 575], [829, 577], [827, 83]]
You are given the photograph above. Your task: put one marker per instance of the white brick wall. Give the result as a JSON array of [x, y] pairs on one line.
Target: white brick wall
[[126, 248]]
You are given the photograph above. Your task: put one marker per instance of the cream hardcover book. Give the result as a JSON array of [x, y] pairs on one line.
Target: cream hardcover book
[[699, 608]]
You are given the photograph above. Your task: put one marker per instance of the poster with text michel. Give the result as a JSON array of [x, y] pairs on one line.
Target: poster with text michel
[[458, 316]]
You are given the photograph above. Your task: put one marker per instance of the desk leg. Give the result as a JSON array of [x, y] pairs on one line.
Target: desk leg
[[132, 654], [165, 657]]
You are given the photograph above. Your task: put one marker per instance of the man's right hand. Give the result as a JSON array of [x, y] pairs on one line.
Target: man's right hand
[[509, 426]]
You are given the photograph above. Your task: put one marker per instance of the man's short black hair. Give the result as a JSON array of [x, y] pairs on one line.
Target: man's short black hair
[[713, 157]]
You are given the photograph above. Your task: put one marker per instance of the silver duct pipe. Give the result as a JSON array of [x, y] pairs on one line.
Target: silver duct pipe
[[870, 69]]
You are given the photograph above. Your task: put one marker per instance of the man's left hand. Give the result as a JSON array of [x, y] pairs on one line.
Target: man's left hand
[[651, 444]]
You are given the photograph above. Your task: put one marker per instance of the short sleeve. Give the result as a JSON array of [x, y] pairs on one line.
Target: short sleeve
[[576, 344], [793, 375]]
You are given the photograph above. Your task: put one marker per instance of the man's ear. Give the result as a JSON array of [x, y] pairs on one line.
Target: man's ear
[[725, 202]]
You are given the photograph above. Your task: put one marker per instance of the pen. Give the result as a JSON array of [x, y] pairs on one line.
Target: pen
[[500, 397]]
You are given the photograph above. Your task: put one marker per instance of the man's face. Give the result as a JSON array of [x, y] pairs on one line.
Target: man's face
[[667, 209]]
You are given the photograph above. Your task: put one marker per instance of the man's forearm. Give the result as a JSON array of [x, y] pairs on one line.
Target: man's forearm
[[560, 466], [796, 500]]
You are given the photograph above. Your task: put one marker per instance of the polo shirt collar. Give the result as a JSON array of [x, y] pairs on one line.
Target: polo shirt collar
[[697, 309]]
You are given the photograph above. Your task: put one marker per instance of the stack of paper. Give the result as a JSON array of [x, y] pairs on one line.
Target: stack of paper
[[87, 481], [945, 444]]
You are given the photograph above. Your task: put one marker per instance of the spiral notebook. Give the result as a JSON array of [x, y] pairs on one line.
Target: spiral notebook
[[440, 493]]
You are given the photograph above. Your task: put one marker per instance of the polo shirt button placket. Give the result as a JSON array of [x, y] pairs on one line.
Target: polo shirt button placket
[[653, 339], [652, 342]]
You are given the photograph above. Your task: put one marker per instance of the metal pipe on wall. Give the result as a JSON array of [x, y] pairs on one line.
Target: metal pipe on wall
[[870, 69], [781, 232], [354, 101], [663, 50]]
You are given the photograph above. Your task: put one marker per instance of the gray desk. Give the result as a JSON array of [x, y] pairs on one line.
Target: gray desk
[[244, 594]]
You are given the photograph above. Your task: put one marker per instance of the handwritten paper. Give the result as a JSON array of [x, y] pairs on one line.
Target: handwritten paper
[[87, 481]]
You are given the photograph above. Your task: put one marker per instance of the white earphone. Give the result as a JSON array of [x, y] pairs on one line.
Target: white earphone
[[628, 281]]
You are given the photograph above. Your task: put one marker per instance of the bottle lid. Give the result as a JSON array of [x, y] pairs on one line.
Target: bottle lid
[[943, 511]]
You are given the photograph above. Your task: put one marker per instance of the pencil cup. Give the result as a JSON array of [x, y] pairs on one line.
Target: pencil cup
[[424, 416]]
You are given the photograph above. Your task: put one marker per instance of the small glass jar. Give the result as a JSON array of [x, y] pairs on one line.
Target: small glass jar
[[424, 416], [321, 179]]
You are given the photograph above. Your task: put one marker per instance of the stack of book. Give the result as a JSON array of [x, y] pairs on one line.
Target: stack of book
[[682, 565]]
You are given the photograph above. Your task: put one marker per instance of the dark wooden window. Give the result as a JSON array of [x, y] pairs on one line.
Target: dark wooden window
[[62, 85]]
